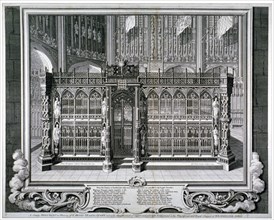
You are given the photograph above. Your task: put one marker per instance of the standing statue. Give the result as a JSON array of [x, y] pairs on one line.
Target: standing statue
[[103, 140], [104, 108], [56, 135], [143, 133], [76, 28], [216, 139], [216, 108], [89, 32], [57, 108]]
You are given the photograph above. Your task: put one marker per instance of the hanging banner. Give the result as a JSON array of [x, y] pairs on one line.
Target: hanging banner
[[223, 25], [183, 23], [130, 23]]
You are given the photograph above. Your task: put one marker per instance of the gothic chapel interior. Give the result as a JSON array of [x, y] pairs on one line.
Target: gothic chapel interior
[[136, 91]]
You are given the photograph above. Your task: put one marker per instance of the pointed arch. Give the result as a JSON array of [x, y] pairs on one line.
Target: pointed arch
[[67, 103], [192, 104], [179, 104], [95, 102], [81, 103], [166, 103], [206, 104], [153, 103]]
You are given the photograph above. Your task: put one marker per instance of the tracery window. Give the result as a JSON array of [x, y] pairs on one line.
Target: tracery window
[[95, 103], [166, 103], [206, 105], [179, 109], [192, 104], [68, 103], [153, 104], [81, 105]]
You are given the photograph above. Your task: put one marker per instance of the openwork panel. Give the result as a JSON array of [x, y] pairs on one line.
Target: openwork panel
[[153, 139], [67, 104], [166, 105], [221, 38], [81, 139], [95, 102], [165, 139], [205, 106], [94, 138], [179, 106], [192, 105], [67, 139], [179, 139], [153, 105], [81, 105], [206, 143], [193, 139]]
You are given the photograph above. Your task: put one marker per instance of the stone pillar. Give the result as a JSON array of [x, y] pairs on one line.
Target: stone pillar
[[199, 43], [225, 156], [107, 164], [61, 44], [46, 156], [136, 163], [110, 41]]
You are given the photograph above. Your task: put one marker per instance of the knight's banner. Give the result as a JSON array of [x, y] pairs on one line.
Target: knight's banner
[[130, 23], [183, 23], [223, 25]]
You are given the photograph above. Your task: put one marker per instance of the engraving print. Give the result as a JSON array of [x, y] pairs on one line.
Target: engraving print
[[141, 111]]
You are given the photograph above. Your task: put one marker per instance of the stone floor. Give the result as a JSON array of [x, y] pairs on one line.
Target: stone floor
[[150, 175]]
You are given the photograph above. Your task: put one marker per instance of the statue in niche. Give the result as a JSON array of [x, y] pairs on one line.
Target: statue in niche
[[143, 133], [94, 34], [104, 108], [57, 108], [216, 139], [56, 136], [103, 140], [99, 38], [76, 28], [216, 108], [89, 32]]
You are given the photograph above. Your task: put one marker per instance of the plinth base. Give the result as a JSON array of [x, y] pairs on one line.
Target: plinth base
[[46, 161], [107, 166], [228, 161], [137, 166]]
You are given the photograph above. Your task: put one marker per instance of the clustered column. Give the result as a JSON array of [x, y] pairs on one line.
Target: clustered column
[[136, 163], [225, 156], [107, 164], [46, 156]]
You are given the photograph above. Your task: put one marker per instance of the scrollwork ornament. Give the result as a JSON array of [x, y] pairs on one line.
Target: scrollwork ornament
[[227, 202], [192, 202], [137, 181], [41, 201]]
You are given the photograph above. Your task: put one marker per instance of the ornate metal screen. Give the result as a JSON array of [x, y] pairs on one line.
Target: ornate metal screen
[[185, 124]]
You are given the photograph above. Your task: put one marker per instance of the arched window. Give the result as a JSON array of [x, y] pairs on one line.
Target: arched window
[[67, 103], [166, 103], [179, 104], [192, 104], [81, 105], [153, 104], [95, 103], [206, 104]]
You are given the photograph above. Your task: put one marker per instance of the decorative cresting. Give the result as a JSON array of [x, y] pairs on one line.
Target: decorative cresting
[[192, 202]]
